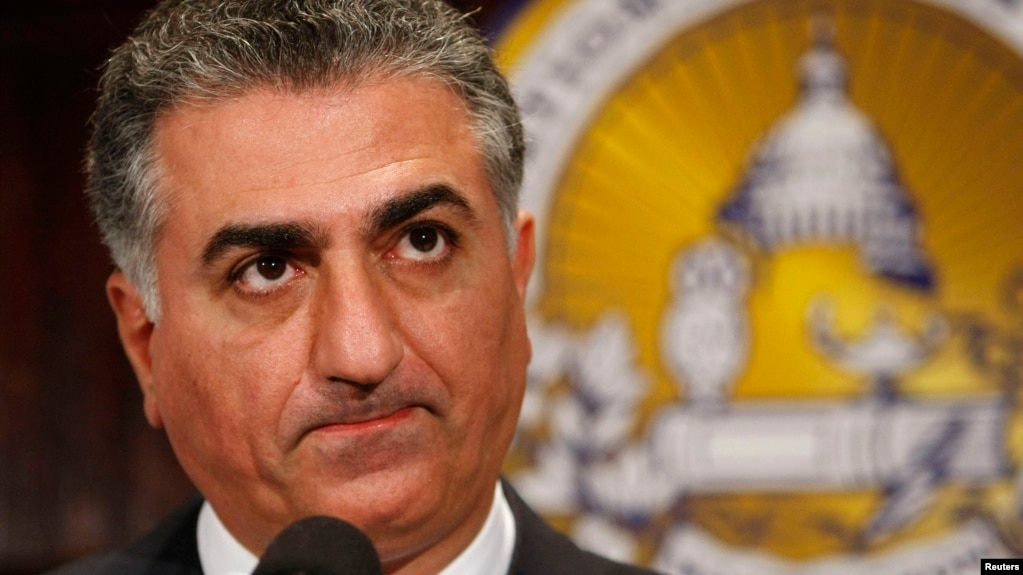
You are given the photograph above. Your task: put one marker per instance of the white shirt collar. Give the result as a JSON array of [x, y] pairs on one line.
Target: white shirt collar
[[221, 554]]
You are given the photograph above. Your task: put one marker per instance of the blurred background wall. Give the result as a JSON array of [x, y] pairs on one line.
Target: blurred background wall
[[78, 469], [778, 304]]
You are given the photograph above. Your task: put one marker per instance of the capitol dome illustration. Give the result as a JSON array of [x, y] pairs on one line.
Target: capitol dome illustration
[[824, 175]]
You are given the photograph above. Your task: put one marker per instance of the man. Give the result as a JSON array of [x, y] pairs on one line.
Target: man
[[320, 280]]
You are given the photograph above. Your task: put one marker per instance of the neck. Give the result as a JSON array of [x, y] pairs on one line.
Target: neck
[[436, 556]]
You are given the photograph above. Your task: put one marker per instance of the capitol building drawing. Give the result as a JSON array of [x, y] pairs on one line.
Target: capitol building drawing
[[823, 174]]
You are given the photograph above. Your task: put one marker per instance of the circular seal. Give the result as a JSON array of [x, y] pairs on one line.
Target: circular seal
[[777, 317]]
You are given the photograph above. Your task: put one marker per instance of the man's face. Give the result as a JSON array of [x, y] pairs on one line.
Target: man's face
[[342, 327]]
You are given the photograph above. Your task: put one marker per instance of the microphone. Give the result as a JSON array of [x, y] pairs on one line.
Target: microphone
[[320, 545]]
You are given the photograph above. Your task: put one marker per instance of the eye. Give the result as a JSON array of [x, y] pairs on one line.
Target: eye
[[423, 243], [265, 274]]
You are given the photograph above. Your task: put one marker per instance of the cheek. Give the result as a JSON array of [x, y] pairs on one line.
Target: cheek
[[219, 388], [475, 342]]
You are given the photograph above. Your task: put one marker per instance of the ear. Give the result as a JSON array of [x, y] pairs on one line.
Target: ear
[[525, 251], [136, 331]]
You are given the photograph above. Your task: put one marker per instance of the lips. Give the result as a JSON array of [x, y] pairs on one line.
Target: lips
[[343, 409], [367, 422]]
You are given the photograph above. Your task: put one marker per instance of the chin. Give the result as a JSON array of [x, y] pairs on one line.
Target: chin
[[392, 499], [400, 518]]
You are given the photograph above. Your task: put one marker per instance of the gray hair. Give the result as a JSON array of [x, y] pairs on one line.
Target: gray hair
[[209, 50]]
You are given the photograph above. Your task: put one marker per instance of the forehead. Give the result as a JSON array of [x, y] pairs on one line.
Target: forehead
[[324, 150]]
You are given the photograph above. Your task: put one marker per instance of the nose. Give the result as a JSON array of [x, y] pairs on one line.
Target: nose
[[357, 337]]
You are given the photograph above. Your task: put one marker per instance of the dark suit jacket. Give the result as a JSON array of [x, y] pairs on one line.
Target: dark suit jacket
[[171, 550]]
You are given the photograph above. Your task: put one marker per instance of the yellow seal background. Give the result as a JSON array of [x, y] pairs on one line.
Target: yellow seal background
[[665, 152]]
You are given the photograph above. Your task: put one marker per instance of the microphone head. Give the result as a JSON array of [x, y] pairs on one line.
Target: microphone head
[[320, 545]]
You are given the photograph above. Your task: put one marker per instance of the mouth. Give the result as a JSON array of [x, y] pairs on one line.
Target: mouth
[[362, 444], [367, 423], [341, 416]]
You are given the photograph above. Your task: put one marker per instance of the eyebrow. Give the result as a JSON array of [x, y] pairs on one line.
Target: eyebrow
[[407, 206], [276, 236], [292, 235]]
